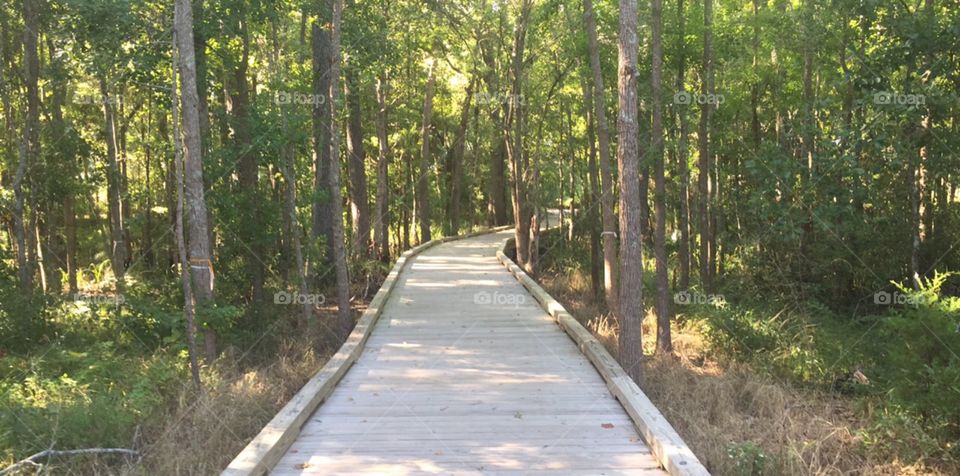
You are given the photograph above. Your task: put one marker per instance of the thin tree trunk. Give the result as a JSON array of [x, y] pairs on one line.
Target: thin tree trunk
[[921, 210], [356, 169], [496, 190], [200, 246], [682, 162], [755, 87], [288, 169], [596, 260], [188, 298], [456, 166], [423, 179], [573, 175], [148, 254], [381, 219], [248, 170], [344, 315], [606, 197], [630, 308], [30, 145], [704, 160], [322, 217], [117, 233], [664, 314]]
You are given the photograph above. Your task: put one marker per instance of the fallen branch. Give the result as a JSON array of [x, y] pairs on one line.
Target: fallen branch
[[32, 460]]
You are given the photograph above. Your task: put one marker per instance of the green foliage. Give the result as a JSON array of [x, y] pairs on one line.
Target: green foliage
[[22, 323], [749, 459], [74, 399], [908, 355]]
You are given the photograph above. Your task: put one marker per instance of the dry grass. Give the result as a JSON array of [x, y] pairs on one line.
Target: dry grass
[[719, 406], [202, 433]]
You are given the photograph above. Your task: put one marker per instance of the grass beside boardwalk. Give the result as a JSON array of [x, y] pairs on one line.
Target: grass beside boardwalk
[[78, 373], [759, 387]]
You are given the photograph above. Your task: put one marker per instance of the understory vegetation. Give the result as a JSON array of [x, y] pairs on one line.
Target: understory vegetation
[[761, 384], [107, 376]]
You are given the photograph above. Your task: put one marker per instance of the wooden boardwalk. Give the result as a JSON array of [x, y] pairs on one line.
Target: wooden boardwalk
[[465, 374]]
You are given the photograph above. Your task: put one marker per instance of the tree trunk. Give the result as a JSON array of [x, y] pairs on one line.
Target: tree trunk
[[496, 190], [188, 297], [117, 232], [704, 160], [755, 87], [381, 219], [456, 166], [288, 169], [30, 145], [344, 315], [683, 156], [573, 175], [630, 308], [423, 179], [594, 194], [664, 314], [248, 170], [200, 246], [356, 169], [322, 217], [606, 197], [513, 132]]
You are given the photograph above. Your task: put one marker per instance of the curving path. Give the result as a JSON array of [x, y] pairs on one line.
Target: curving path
[[465, 374]]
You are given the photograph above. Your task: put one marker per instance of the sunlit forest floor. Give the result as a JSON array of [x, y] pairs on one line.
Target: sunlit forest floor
[[765, 388]]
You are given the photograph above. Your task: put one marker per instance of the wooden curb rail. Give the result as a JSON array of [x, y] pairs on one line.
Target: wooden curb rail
[[664, 442], [273, 441]]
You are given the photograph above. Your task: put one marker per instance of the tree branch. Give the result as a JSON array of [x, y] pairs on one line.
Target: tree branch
[[32, 460]]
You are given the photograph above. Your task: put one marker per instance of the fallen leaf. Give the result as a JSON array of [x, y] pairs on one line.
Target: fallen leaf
[[607, 425], [302, 466]]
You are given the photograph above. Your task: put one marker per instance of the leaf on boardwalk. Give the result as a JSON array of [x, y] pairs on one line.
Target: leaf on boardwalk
[[606, 425]]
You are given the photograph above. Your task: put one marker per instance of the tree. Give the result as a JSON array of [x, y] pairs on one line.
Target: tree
[[664, 344], [344, 315], [423, 179], [322, 215], [630, 308], [189, 308], [703, 180], [513, 134], [381, 219], [456, 163], [606, 175], [682, 158], [359, 205], [248, 169], [200, 247]]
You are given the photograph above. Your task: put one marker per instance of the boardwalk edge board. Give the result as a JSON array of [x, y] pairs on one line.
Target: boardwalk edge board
[[273, 441], [667, 446]]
